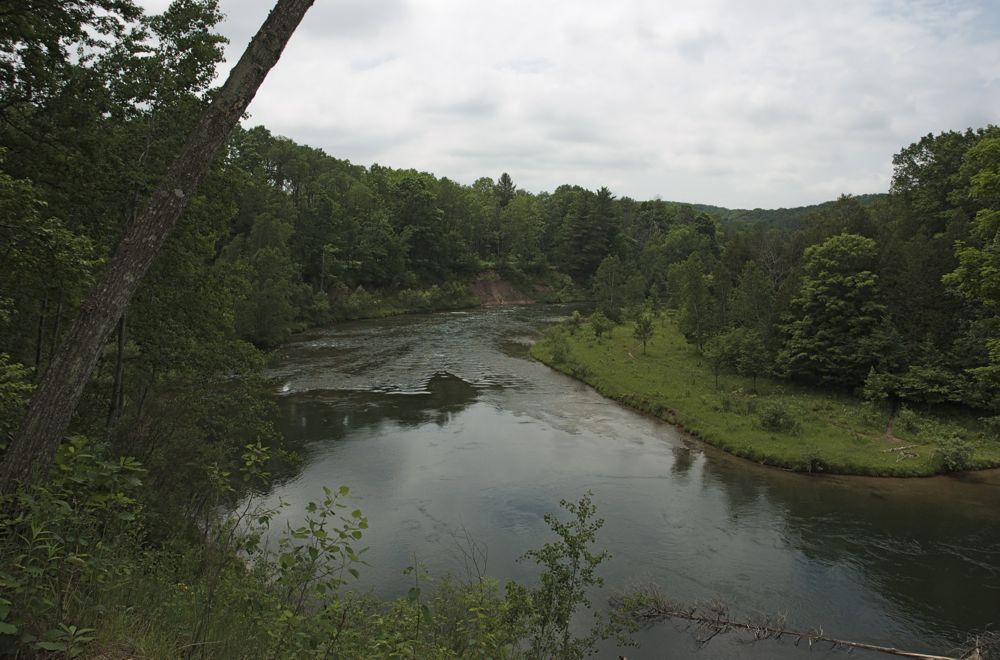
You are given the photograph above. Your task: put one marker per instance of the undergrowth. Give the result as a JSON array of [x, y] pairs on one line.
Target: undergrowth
[[82, 577]]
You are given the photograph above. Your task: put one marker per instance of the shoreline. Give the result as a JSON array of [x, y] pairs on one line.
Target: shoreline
[[716, 416]]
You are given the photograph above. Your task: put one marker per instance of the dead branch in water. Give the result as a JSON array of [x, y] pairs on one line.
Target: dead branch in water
[[648, 605]]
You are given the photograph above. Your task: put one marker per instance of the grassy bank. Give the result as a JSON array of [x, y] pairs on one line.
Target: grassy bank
[[781, 424]]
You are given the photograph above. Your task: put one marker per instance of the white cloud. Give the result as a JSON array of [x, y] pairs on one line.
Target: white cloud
[[740, 104]]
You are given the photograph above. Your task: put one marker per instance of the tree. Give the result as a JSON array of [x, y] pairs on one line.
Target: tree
[[609, 284], [574, 322], [751, 355], [927, 173], [33, 448], [754, 305], [585, 231], [837, 333], [42, 260], [416, 212], [505, 190], [522, 228], [42, 43], [693, 297], [643, 331], [977, 276], [600, 324]]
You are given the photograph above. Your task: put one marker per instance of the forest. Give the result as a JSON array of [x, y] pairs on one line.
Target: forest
[[894, 296]]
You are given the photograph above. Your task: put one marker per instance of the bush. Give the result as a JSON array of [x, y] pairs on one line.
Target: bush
[[600, 324], [15, 388], [574, 322], [872, 414], [777, 419], [953, 454], [62, 540], [569, 571], [812, 462], [908, 420], [992, 425], [578, 369]]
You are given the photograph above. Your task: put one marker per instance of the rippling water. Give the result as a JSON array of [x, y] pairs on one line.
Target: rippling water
[[445, 431]]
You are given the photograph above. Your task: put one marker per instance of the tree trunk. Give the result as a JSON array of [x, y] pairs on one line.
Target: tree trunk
[[43, 316], [118, 387], [31, 451], [54, 341]]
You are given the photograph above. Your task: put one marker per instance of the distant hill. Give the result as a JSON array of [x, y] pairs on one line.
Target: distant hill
[[782, 216]]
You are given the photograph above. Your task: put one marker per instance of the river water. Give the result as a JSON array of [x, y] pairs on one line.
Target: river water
[[452, 439]]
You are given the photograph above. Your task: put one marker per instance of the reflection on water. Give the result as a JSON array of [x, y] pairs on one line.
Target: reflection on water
[[444, 430]]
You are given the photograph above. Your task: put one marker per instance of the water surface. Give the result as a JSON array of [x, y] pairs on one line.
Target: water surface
[[446, 432]]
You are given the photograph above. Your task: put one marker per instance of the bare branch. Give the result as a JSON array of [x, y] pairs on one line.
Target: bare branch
[[647, 605]]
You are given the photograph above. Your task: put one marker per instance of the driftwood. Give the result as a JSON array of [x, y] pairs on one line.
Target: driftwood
[[903, 452], [647, 605], [903, 448]]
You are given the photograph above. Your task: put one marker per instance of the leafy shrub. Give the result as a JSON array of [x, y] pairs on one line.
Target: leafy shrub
[[992, 425], [62, 540], [600, 324], [813, 462], [358, 303], [557, 345], [15, 388], [777, 419], [578, 369], [872, 414], [574, 322], [414, 299], [569, 567], [953, 454], [908, 420]]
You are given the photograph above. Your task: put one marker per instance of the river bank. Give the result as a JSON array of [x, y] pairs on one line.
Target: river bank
[[489, 287], [778, 423]]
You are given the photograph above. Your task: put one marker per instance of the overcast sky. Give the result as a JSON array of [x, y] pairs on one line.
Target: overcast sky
[[740, 103]]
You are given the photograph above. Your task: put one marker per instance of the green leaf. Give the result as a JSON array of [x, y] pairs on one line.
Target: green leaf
[[52, 646], [7, 628]]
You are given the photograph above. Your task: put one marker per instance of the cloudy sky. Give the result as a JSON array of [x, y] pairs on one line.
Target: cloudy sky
[[740, 103]]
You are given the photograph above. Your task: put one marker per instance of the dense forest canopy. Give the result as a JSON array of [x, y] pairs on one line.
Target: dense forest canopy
[[896, 295]]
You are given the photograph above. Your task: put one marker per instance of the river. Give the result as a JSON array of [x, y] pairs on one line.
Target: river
[[446, 431]]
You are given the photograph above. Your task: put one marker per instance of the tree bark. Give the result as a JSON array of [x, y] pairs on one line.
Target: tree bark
[[118, 385], [57, 326], [43, 316], [32, 450]]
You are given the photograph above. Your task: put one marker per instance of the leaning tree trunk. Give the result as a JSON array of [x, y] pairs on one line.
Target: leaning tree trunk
[[118, 385], [33, 448]]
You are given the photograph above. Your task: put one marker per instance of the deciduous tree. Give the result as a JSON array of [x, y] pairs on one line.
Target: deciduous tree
[[836, 335], [33, 448]]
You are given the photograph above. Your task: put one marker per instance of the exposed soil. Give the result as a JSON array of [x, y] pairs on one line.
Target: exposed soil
[[491, 289]]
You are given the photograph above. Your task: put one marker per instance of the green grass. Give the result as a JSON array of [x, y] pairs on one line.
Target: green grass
[[836, 433]]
